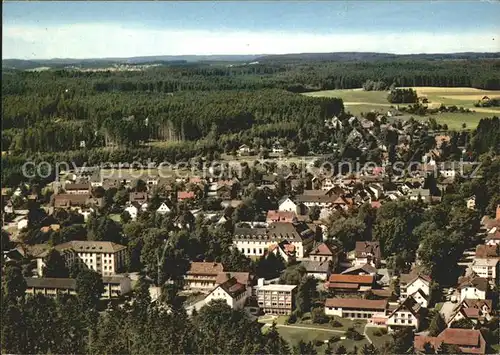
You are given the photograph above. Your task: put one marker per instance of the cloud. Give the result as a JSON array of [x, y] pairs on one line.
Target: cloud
[[113, 40]]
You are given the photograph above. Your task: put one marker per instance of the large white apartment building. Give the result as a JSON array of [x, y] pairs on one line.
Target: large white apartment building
[[106, 258], [256, 241]]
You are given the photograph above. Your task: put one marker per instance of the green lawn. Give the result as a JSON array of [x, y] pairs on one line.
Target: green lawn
[[115, 217], [378, 341]]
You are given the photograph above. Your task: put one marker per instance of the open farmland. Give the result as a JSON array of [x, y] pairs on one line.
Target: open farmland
[[358, 101]]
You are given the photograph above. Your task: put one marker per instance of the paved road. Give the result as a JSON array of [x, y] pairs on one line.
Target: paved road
[[306, 328]]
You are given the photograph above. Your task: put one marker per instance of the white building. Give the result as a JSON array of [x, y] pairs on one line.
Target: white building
[[287, 205], [473, 287], [132, 211], [486, 267], [276, 299], [407, 314], [233, 292], [163, 209], [471, 202], [416, 286], [106, 258], [355, 308]]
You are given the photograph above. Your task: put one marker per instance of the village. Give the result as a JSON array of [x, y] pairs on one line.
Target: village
[[356, 283]]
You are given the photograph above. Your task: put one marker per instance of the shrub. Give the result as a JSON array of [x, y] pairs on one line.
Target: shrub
[[318, 343], [292, 319], [318, 316], [335, 323], [334, 339], [353, 334]]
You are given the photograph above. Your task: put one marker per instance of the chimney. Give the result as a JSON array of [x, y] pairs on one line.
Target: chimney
[[497, 216]]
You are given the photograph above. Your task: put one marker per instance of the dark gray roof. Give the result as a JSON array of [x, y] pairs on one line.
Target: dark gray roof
[[316, 266], [49, 282]]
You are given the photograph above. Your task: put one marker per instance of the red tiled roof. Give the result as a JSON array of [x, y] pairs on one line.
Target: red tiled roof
[[322, 249], [281, 216], [205, 268], [487, 251], [343, 285], [357, 279], [182, 195], [356, 303], [471, 312], [241, 277]]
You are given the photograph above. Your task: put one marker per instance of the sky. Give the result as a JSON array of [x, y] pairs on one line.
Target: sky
[[87, 29]]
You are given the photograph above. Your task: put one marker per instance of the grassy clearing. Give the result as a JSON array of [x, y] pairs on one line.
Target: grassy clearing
[[357, 101]]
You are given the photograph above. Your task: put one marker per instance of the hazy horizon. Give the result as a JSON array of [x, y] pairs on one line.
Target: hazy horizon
[[82, 30]]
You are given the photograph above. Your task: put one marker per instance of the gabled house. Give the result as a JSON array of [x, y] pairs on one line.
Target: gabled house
[[323, 252], [366, 269], [367, 253], [469, 341], [477, 311], [163, 209], [287, 205], [318, 269], [407, 314], [233, 292], [281, 216], [417, 286], [285, 249], [202, 275], [473, 287]]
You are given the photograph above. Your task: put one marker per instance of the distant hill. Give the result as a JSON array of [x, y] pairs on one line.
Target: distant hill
[[99, 62], [263, 58], [371, 56]]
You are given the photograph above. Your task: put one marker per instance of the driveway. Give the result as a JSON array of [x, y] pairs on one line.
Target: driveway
[[447, 310]]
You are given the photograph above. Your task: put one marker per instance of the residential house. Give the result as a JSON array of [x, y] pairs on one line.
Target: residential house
[[116, 286], [473, 287], [406, 314], [323, 252], [106, 258], [138, 197], [233, 292], [281, 216], [487, 268], [9, 207], [202, 275], [276, 299], [70, 201], [477, 311], [469, 341], [287, 205], [318, 269], [367, 253], [493, 237], [344, 284], [285, 249], [163, 209], [355, 308], [417, 286], [319, 199], [185, 195], [244, 278]]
